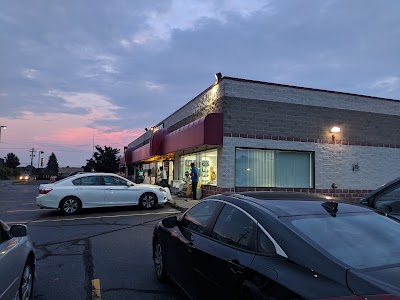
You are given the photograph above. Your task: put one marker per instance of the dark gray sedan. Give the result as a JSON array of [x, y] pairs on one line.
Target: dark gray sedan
[[386, 198], [276, 245], [17, 263]]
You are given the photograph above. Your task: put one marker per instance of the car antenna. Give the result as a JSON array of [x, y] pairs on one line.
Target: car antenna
[[331, 207]]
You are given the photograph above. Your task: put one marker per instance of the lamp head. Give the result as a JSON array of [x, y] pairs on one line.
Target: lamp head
[[218, 76]]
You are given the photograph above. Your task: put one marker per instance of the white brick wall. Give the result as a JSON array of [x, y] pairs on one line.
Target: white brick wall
[[333, 163], [270, 92]]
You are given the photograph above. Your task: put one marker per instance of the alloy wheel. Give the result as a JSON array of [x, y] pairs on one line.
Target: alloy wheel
[[70, 206], [27, 283], [158, 260], [148, 201]]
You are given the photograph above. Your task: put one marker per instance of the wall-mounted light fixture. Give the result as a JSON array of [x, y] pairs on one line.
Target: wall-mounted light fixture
[[145, 129], [218, 76], [334, 130]]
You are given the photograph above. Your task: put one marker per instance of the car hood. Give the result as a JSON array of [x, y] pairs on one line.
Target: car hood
[[383, 280], [147, 186]]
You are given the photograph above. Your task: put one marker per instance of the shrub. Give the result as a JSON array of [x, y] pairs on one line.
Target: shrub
[[5, 173]]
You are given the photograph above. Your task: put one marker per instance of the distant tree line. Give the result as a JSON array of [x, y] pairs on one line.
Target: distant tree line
[[104, 160]]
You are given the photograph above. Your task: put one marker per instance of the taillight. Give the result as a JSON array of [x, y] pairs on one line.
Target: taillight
[[45, 191]]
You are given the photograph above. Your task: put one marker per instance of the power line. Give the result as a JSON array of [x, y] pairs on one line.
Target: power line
[[49, 149]]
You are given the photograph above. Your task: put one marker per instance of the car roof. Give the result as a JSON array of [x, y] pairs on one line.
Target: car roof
[[284, 204]]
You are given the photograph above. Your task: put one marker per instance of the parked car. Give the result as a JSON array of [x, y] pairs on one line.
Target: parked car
[[24, 177], [279, 246], [17, 263], [385, 198], [90, 190]]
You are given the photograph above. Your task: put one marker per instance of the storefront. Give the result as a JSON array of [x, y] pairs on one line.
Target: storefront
[[250, 135], [205, 161]]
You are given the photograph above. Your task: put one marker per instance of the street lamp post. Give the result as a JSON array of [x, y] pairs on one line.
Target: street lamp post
[[2, 127], [38, 164]]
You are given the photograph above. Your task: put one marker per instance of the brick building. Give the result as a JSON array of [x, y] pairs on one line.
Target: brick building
[[251, 135]]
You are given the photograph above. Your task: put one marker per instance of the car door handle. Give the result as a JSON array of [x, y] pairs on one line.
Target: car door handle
[[235, 266], [190, 246]]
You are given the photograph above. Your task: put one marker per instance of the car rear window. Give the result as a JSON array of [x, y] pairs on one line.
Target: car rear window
[[358, 240]]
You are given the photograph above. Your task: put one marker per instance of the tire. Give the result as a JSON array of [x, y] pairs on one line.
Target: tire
[[26, 284], [159, 262], [70, 205], [148, 200]]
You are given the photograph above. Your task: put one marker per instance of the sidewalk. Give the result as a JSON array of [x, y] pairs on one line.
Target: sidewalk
[[181, 204]]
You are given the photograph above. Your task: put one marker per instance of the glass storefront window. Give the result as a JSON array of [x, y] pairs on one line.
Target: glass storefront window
[[205, 161], [274, 168]]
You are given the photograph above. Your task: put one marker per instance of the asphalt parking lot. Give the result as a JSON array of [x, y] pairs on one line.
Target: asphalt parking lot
[[98, 253]]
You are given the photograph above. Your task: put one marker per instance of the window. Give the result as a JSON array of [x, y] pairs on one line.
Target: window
[[274, 168], [112, 180], [365, 240], [3, 233], [205, 161], [389, 200], [264, 244], [89, 180], [199, 216], [234, 228]]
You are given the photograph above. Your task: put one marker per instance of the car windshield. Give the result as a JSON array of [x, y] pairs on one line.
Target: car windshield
[[358, 240]]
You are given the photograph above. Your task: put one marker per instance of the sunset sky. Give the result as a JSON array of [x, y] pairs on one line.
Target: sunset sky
[[74, 71]]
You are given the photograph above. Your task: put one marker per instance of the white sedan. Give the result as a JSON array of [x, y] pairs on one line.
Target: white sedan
[[88, 190]]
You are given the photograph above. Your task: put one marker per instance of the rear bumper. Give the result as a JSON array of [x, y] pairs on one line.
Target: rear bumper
[[42, 202]]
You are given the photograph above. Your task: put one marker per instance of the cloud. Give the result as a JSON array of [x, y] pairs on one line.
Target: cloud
[[95, 62], [152, 85], [160, 24], [98, 107], [30, 73], [388, 84]]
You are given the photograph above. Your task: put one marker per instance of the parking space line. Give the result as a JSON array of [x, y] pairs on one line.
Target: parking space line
[[24, 210], [98, 217], [96, 294]]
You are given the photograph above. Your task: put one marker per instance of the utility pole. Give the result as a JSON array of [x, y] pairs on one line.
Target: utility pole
[[38, 164], [32, 155]]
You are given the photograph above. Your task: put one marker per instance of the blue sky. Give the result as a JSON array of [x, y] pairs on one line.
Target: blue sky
[[74, 70]]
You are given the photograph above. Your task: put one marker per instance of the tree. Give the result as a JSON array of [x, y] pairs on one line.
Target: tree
[[106, 160], [89, 165], [11, 161], [52, 165]]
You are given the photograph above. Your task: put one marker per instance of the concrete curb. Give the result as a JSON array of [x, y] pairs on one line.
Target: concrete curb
[[176, 206]]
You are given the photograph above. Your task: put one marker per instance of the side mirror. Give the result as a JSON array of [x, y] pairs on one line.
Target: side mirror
[[170, 222], [18, 230]]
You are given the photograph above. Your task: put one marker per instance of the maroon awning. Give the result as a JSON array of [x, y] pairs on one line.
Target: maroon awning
[[138, 154], [205, 131], [156, 141]]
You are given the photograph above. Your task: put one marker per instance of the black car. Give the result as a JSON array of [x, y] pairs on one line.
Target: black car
[[385, 198], [279, 246]]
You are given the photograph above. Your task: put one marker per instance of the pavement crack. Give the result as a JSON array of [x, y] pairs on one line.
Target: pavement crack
[[88, 264], [145, 223]]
